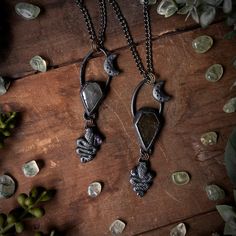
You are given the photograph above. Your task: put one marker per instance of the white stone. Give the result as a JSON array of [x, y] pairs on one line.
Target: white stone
[[30, 169], [117, 227]]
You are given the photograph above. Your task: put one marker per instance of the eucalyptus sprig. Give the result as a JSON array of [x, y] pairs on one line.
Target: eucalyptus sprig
[[29, 208], [228, 214], [7, 124], [202, 12]]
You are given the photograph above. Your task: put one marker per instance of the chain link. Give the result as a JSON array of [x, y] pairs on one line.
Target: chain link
[[96, 41], [130, 41]]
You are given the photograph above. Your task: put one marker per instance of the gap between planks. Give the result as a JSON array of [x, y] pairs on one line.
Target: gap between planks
[[176, 222], [164, 35]]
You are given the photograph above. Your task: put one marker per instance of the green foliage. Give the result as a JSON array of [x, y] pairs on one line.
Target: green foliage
[[202, 11], [228, 214], [29, 208], [230, 157], [7, 124]]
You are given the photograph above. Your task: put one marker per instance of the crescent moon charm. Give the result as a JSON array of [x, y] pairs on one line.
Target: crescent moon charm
[[158, 92], [109, 66]]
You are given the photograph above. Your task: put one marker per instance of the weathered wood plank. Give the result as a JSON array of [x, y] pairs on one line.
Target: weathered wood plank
[[201, 225], [60, 36], [52, 120]]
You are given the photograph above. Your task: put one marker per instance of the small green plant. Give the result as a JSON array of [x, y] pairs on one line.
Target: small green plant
[[228, 214], [7, 124], [202, 11], [29, 208]]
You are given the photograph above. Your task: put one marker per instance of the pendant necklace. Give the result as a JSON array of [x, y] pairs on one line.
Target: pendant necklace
[[147, 121], [92, 93]]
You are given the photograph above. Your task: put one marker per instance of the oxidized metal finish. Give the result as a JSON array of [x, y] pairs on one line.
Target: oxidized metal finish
[[158, 92], [109, 66], [141, 178], [88, 145]]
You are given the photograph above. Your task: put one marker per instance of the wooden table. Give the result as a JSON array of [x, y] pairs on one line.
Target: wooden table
[[52, 119]]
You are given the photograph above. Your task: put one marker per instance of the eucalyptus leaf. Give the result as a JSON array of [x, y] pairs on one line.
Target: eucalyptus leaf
[[229, 230], [235, 195], [227, 6], [207, 16], [213, 2], [226, 212], [184, 10], [230, 157], [230, 34], [195, 15]]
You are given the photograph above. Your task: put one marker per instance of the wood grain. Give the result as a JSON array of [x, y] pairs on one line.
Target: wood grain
[[195, 226], [52, 119], [59, 34]]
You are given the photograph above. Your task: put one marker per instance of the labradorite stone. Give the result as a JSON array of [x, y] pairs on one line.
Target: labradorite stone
[[230, 106], [202, 44], [180, 177], [214, 192], [91, 95], [214, 73], [147, 127], [7, 186], [209, 138]]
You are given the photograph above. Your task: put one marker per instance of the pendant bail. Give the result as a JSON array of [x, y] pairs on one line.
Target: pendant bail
[[150, 78], [144, 156]]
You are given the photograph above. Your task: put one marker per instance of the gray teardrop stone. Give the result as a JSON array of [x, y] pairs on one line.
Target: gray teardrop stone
[[91, 95], [202, 44], [214, 73]]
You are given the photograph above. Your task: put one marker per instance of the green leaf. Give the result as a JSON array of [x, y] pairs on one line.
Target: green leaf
[[207, 16], [47, 195], [230, 35], [235, 195], [227, 6], [226, 212], [229, 230], [184, 10], [230, 157]]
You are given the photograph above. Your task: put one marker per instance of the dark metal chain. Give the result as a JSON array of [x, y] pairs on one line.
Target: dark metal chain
[[97, 41], [130, 41]]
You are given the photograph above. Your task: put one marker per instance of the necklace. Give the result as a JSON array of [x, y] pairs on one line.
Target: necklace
[[147, 121], [92, 93]]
